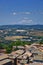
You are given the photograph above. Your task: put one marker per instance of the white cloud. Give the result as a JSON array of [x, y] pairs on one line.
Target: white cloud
[[27, 12], [25, 21], [14, 13], [25, 18], [23, 12]]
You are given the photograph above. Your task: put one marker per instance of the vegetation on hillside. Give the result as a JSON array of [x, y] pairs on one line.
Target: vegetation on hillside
[[9, 46]]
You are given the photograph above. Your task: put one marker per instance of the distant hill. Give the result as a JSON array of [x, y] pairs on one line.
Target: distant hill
[[40, 27]]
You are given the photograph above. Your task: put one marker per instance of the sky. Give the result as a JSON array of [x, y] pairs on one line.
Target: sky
[[21, 12]]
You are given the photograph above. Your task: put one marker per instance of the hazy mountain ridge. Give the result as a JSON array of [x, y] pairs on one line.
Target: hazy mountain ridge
[[22, 26]]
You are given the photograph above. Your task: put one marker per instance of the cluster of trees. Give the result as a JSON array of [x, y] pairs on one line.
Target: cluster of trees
[[41, 42], [9, 46]]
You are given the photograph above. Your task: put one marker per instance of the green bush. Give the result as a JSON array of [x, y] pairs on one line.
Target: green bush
[[8, 50]]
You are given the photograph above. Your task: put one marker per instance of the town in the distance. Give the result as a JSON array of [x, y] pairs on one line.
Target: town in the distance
[[21, 45]]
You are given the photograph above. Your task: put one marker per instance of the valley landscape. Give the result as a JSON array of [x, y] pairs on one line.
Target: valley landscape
[[23, 40], [21, 32]]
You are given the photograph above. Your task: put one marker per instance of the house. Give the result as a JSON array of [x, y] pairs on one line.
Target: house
[[2, 50], [4, 60]]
